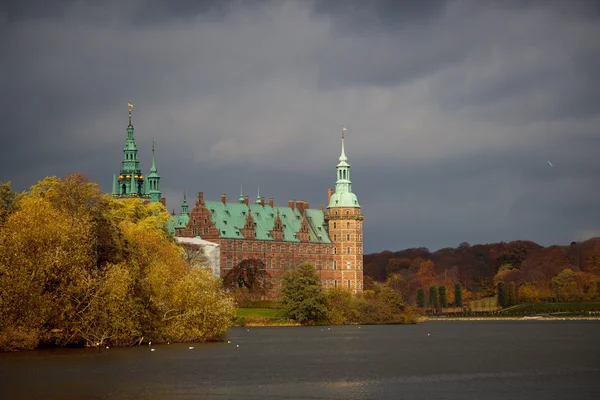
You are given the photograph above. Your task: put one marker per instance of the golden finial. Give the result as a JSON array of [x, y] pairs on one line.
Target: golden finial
[[130, 107]]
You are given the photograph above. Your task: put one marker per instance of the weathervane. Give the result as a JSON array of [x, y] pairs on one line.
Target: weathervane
[[130, 107], [343, 130]]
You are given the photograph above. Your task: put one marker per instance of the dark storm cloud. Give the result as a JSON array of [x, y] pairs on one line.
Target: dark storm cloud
[[453, 107]]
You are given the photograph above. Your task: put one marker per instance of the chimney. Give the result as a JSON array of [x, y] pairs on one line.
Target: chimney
[[246, 200], [223, 198], [262, 201], [306, 205], [329, 194], [271, 202], [300, 206], [291, 204]]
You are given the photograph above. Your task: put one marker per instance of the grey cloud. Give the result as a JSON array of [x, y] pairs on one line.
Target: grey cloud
[[453, 107]]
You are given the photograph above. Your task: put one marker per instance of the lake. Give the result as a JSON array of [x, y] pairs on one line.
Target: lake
[[435, 360]]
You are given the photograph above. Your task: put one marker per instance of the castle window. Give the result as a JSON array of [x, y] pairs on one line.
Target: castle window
[[335, 283], [348, 250], [347, 224], [334, 238], [336, 213], [335, 250], [334, 225], [347, 212], [348, 283], [205, 221], [347, 237], [206, 231]]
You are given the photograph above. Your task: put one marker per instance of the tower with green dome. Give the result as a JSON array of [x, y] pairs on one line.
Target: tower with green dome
[[131, 181], [345, 226]]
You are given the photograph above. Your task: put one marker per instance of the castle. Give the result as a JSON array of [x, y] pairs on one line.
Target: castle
[[280, 236]]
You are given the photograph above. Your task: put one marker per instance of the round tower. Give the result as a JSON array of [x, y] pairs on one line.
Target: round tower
[[345, 229]]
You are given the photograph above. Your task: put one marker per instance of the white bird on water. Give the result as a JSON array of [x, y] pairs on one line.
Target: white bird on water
[[152, 349], [549, 163], [191, 347]]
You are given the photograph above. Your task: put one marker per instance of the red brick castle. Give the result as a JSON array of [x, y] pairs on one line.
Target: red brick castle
[[285, 236]]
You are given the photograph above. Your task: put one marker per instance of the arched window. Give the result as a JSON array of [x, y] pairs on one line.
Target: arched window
[[334, 225], [347, 224]]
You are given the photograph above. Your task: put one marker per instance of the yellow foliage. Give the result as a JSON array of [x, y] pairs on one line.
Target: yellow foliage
[[77, 265]]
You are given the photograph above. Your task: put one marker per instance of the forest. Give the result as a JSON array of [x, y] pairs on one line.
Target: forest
[[537, 273]]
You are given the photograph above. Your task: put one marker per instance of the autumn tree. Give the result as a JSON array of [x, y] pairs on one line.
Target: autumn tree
[[100, 271], [458, 295], [501, 293], [250, 274], [8, 201], [426, 272], [302, 295], [443, 298], [511, 295], [420, 298], [433, 296], [564, 285]]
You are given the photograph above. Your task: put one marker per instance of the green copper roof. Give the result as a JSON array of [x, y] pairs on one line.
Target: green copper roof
[[230, 218], [343, 196]]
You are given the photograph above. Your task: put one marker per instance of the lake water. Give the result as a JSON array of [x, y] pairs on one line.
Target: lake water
[[434, 360]]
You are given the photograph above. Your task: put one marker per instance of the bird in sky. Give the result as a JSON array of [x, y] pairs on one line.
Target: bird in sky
[[549, 163]]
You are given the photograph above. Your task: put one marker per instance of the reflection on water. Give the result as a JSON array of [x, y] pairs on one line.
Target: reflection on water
[[450, 360]]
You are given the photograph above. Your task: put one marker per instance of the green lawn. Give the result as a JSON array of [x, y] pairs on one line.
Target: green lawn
[[541, 308], [271, 313], [485, 304]]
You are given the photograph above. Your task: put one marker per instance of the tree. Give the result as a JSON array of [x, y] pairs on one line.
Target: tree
[[8, 201], [565, 285], [433, 296], [458, 295], [501, 293], [511, 295], [426, 272], [443, 299], [100, 271], [302, 295], [420, 298], [250, 274]]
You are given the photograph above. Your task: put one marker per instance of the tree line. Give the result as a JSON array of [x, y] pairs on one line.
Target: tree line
[[78, 267], [528, 272]]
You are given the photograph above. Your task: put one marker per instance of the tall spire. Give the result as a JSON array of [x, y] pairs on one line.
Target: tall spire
[[343, 156], [153, 168], [241, 199], [257, 196], [184, 205], [130, 107], [343, 196]]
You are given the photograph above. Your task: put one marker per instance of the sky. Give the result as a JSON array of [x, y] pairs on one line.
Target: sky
[[468, 120]]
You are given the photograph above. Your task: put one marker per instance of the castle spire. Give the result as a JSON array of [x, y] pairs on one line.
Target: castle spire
[[257, 196], [343, 155], [184, 205], [241, 199], [153, 168], [154, 180], [129, 107], [343, 196]]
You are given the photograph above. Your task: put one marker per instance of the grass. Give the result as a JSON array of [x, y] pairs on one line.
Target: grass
[[269, 313], [548, 308], [485, 304]]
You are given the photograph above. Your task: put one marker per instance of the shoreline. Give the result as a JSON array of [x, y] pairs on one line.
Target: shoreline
[[540, 318]]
